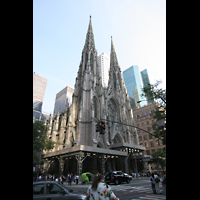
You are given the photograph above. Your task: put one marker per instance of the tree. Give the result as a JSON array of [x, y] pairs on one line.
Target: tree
[[40, 141], [159, 158], [152, 92]]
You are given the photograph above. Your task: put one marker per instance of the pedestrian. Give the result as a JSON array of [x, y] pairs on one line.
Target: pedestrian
[[56, 178], [164, 181], [69, 179], [61, 179], [157, 180], [64, 179], [153, 182], [99, 190], [76, 178]]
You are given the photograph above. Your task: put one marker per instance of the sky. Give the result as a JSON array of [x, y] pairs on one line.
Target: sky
[[137, 27]]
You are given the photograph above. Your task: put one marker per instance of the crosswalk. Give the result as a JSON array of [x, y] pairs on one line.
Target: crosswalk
[[154, 197], [146, 191], [123, 187], [132, 188]]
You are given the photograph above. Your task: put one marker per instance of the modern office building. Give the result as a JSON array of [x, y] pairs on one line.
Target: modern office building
[[104, 64], [62, 98], [39, 87], [145, 80], [134, 85]]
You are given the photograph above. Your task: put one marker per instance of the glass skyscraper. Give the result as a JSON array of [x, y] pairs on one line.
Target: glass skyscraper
[[145, 80], [134, 85], [39, 87]]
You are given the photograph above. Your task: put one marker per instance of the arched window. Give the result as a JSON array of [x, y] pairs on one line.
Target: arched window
[[114, 80], [86, 59], [91, 61]]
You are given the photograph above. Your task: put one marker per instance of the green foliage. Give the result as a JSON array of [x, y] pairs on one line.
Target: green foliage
[[40, 140], [160, 158], [152, 92]]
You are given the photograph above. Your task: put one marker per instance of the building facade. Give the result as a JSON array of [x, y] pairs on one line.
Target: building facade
[[145, 81], [62, 98], [39, 87], [104, 65], [143, 117], [134, 85], [78, 147]]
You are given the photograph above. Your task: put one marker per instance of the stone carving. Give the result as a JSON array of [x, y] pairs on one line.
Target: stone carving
[[112, 110]]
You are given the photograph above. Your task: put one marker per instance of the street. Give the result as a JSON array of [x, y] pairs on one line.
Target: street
[[136, 189]]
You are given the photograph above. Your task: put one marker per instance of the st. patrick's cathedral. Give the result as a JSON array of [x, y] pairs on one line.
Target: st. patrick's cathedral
[[78, 147]]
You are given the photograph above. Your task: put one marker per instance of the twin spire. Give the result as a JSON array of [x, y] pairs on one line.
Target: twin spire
[[89, 43]]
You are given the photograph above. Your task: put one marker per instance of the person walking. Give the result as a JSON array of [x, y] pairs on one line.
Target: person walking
[[157, 180], [164, 181], [76, 178], [153, 182], [61, 179], [99, 190], [70, 179]]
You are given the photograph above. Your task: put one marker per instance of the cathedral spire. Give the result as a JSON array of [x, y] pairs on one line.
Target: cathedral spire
[[113, 55], [89, 42]]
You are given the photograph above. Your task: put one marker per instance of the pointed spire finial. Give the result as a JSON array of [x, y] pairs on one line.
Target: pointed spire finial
[[89, 37], [113, 56]]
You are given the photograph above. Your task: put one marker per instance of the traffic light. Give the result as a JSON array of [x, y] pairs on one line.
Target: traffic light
[[102, 125]]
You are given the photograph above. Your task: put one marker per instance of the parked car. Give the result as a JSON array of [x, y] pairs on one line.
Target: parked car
[[130, 177], [116, 177], [43, 190]]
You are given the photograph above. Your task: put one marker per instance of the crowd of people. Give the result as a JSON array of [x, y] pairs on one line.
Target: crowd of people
[[99, 188], [156, 178], [69, 178]]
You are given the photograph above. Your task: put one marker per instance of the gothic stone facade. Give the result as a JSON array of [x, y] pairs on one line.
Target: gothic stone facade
[[74, 130]]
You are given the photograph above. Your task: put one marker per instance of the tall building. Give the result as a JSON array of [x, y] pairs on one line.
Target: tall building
[[78, 146], [145, 80], [104, 64], [144, 119], [134, 85], [39, 87], [63, 98]]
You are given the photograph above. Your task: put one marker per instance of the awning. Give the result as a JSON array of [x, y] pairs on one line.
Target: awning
[[124, 145], [76, 149]]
